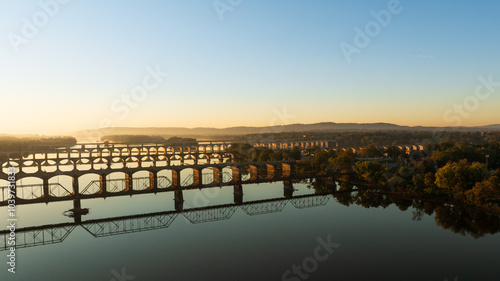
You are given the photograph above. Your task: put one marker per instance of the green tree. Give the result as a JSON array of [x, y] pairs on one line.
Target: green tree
[[372, 172], [343, 161], [370, 151], [460, 176]]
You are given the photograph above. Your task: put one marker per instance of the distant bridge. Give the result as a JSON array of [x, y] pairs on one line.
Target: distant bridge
[[117, 168]]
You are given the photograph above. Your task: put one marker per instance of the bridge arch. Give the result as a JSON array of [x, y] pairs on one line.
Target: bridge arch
[[217, 157], [161, 150], [125, 152], [135, 151], [249, 173], [230, 174], [29, 167], [176, 158], [287, 170], [90, 183], [117, 163], [141, 180], [29, 188], [165, 178], [162, 160], [147, 161], [100, 164], [116, 152], [60, 186], [211, 175], [228, 156], [75, 153], [83, 164], [144, 151], [268, 171], [190, 159], [49, 166], [203, 159], [66, 165], [132, 162], [190, 177], [105, 152], [153, 151]]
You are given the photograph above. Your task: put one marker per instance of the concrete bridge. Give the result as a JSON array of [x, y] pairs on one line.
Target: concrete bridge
[[128, 181], [115, 156], [302, 144], [408, 149]]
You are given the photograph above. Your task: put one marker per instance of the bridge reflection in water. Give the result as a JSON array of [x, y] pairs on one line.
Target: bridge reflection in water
[[117, 170], [56, 233]]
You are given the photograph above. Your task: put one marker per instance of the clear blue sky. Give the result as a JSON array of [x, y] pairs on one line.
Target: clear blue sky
[[264, 57]]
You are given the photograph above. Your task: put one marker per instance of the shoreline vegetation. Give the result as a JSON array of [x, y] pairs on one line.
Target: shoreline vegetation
[[461, 170], [138, 139], [12, 147]]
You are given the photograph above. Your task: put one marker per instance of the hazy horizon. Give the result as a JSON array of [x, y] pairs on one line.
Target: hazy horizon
[[67, 67]]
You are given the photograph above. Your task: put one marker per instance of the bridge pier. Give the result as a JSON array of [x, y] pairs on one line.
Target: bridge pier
[[217, 176], [196, 177], [270, 171], [178, 200], [103, 184], [176, 179], [153, 180], [45, 187], [235, 174], [76, 186], [238, 194], [129, 182], [288, 189], [77, 208]]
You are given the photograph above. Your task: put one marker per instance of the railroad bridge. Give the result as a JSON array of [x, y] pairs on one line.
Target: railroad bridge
[[302, 144], [117, 156], [107, 182]]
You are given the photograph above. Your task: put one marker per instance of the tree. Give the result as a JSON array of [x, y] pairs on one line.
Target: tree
[[460, 176], [370, 151], [343, 162], [265, 155], [372, 172], [393, 151]]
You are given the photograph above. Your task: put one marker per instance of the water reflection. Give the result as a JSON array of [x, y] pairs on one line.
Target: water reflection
[[458, 219], [476, 222]]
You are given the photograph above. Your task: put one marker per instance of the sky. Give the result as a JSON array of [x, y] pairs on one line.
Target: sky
[[72, 65]]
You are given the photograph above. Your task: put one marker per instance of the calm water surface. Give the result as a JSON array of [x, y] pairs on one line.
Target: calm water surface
[[366, 243]]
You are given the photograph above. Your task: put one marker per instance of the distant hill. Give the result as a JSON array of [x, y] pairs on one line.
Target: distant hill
[[205, 133]]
